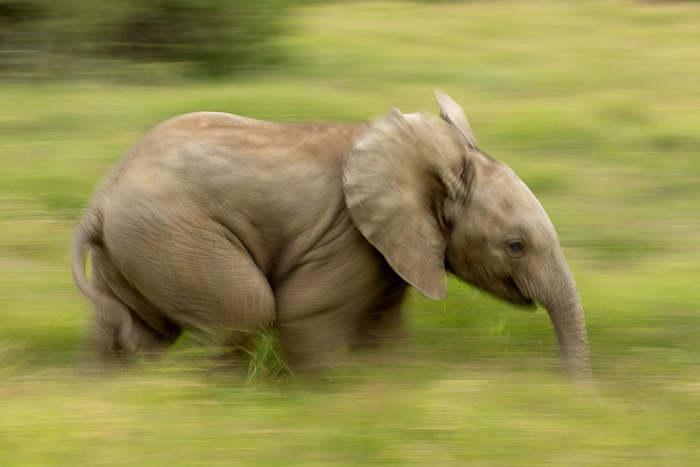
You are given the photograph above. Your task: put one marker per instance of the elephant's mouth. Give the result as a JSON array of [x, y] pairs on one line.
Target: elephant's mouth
[[516, 296]]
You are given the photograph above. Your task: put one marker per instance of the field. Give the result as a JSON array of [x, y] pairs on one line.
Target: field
[[594, 104]]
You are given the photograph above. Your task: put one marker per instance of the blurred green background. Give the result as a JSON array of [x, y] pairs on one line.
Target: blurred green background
[[594, 104]]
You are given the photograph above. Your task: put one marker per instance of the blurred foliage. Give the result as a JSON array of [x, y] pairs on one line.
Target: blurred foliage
[[214, 36]]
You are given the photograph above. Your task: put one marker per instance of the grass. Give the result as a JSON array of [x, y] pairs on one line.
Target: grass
[[594, 104]]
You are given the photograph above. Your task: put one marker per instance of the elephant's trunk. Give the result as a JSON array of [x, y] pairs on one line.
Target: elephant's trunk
[[570, 327], [563, 304]]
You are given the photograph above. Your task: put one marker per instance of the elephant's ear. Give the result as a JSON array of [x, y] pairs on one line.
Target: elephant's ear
[[453, 114], [393, 180]]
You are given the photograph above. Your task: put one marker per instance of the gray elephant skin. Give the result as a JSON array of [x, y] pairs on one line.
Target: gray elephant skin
[[221, 225]]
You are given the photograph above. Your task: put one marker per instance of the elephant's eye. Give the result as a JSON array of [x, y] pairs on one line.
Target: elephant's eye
[[516, 248]]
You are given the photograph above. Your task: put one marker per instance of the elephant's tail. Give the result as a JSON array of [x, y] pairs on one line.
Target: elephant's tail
[[89, 231]]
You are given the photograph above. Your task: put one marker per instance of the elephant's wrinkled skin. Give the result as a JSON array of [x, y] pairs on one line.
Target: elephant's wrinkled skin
[[221, 224]]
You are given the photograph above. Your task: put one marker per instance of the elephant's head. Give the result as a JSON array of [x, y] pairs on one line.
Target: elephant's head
[[423, 194]]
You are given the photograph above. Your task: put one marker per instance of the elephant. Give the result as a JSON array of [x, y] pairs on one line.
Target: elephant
[[222, 225]]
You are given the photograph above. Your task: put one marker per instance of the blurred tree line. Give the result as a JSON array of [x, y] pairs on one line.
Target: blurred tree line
[[213, 37]]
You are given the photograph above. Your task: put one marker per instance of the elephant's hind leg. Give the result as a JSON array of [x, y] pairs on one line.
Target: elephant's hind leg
[[196, 274], [119, 329], [224, 297], [120, 333]]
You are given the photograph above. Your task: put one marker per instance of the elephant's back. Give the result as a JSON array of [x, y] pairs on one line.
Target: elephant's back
[[255, 178], [210, 148], [233, 137]]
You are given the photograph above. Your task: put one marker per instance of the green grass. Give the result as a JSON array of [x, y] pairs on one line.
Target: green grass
[[594, 104]]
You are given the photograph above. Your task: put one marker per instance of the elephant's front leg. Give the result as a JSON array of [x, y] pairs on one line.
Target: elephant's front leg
[[336, 300], [382, 324]]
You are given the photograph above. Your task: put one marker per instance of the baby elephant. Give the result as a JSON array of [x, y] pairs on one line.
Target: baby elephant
[[219, 225]]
